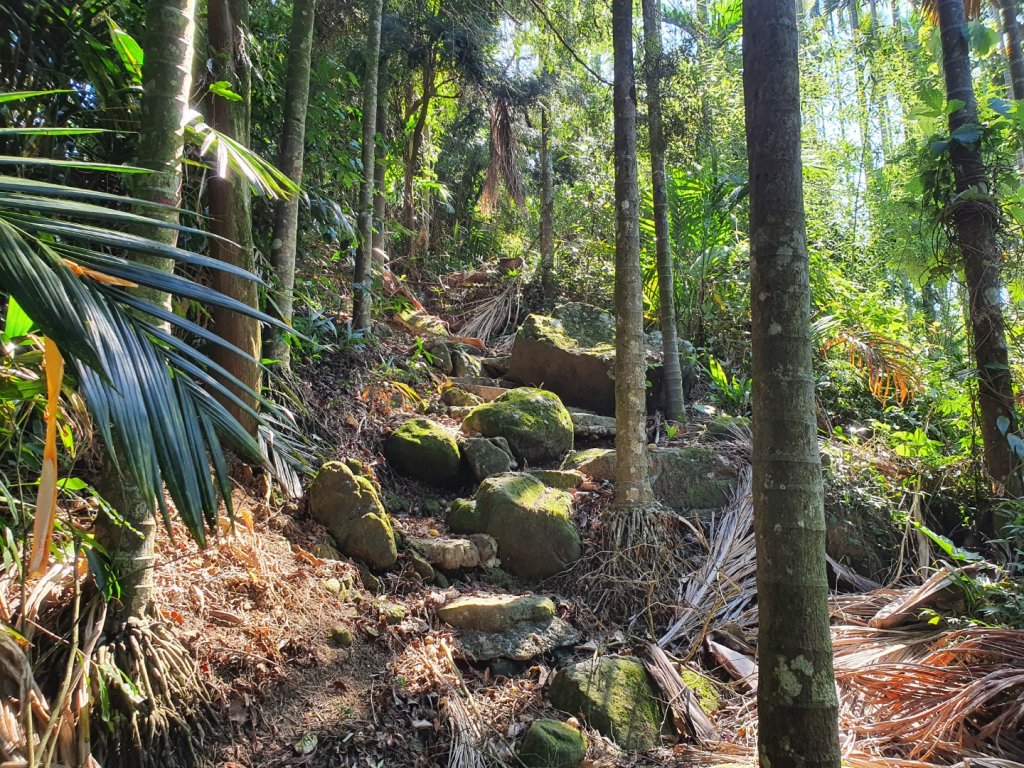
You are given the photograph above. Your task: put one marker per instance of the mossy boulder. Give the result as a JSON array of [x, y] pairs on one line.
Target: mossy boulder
[[530, 521], [616, 697], [424, 450], [348, 505], [533, 421], [460, 397], [552, 744], [692, 477], [466, 363], [488, 456], [495, 613]]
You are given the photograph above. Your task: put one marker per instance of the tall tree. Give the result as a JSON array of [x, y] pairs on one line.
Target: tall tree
[[547, 184], [293, 136], [362, 298], [632, 477], [1008, 11], [654, 63], [796, 698], [168, 41], [229, 202], [974, 220]]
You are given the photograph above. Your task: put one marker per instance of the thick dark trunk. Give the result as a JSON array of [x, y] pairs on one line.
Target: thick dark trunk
[[673, 375], [292, 152], [362, 278], [229, 203], [974, 220], [796, 697], [632, 481], [547, 233]]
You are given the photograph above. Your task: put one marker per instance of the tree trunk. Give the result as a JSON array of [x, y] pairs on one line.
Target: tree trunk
[[380, 249], [229, 203], [632, 481], [412, 158], [168, 40], [1012, 44], [974, 221], [293, 139], [796, 697], [547, 204], [673, 375], [362, 278]]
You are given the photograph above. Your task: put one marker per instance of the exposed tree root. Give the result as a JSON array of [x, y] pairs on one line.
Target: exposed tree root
[[161, 719], [636, 563]]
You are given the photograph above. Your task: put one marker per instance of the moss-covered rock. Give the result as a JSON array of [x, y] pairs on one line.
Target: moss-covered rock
[[615, 695], [533, 421], [495, 613], [424, 450], [705, 689], [465, 363], [488, 456], [349, 507], [460, 397], [530, 521], [440, 354], [559, 478], [552, 744], [693, 477]]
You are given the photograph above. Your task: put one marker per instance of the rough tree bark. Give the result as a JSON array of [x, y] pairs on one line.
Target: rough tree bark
[[293, 138], [230, 207], [632, 480], [975, 225], [547, 207], [672, 368], [796, 698], [362, 298], [168, 40], [412, 155]]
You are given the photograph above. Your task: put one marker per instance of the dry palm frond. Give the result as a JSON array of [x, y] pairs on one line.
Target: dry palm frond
[[504, 163], [930, 10], [963, 691], [888, 365], [722, 590], [494, 313]]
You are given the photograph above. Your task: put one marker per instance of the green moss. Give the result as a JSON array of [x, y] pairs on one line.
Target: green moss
[[462, 517], [536, 425], [590, 456], [616, 697], [342, 637], [707, 693], [552, 744], [424, 450]]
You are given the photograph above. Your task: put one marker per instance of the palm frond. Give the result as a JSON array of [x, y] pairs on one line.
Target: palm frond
[[504, 161], [888, 365], [149, 391]]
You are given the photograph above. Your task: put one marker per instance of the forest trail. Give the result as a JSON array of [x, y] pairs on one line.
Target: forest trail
[[319, 662]]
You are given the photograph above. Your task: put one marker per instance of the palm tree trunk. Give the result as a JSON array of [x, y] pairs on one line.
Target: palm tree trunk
[[293, 138], [974, 221], [673, 375], [796, 697], [380, 167], [362, 298], [1012, 42], [230, 203], [547, 235], [632, 480], [412, 158], [169, 42]]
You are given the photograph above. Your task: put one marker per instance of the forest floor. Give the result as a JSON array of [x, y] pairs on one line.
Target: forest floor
[[316, 663]]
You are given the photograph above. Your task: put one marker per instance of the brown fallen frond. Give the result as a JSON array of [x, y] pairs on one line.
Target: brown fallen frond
[[888, 366]]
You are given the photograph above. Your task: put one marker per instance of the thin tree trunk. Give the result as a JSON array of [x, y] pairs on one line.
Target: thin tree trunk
[[229, 202], [796, 697], [293, 138], [362, 278], [1012, 43], [380, 168], [673, 375], [632, 481], [547, 205], [974, 221], [168, 41], [412, 158]]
